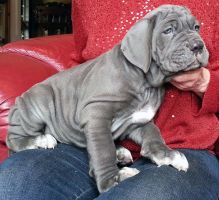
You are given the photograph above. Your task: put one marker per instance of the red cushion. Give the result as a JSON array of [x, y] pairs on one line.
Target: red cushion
[[99, 25]]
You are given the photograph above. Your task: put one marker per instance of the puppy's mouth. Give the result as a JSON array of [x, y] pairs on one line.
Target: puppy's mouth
[[194, 65], [184, 60], [200, 60], [202, 57]]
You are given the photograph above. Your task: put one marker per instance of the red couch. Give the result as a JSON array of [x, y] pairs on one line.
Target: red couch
[[24, 63], [98, 26]]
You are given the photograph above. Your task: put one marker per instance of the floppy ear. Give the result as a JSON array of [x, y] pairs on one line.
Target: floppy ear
[[137, 43]]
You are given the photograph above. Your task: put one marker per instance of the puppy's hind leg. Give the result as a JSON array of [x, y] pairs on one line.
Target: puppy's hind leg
[[46, 141], [27, 129], [21, 137]]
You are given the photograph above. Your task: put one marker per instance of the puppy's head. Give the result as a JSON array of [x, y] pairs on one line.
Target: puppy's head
[[168, 36]]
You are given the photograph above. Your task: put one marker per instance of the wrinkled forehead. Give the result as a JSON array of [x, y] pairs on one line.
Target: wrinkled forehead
[[179, 14]]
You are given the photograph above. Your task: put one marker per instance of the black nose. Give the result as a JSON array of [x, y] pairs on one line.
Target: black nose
[[197, 46]]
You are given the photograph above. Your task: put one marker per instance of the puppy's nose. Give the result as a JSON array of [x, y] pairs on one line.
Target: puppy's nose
[[197, 46]]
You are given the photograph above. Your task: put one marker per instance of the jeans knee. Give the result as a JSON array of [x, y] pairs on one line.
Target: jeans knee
[[165, 183]]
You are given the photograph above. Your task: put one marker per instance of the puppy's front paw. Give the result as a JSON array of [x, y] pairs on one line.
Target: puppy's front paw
[[173, 158], [179, 161], [46, 141], [124, 173], [127, 172], [123, 156], [163, 155]]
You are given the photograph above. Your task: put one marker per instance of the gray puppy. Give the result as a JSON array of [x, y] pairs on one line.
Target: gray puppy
[[113, 97]]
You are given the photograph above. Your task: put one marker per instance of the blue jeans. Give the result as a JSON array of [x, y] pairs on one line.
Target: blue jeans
[[62, 174]]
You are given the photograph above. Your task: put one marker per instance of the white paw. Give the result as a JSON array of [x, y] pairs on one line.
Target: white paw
[[123, 156], [127, 172], [46, 141], [177, 160]]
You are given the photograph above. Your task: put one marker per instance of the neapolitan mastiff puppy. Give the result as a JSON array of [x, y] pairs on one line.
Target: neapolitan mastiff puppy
[[113, 97]]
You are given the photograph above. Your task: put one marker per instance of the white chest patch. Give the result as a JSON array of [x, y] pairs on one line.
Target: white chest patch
[[143, 116]]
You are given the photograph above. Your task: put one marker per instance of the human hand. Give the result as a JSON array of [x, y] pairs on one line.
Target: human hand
[[196, 80]]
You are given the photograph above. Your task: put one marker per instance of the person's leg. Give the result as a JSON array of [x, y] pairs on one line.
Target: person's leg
[[58, 174], [201, 181]]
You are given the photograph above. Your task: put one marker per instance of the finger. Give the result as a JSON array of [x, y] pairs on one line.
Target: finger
[[184, 86], [187, 76], [177, 85], [183, 78]]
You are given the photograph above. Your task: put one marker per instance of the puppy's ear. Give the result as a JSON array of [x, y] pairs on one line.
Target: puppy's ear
[[137, 43]]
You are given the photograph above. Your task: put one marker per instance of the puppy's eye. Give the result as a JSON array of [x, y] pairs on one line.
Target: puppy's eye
[[197, 28], [168, 30]]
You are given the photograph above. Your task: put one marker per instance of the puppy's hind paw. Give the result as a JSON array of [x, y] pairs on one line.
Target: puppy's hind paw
[[46, 141]]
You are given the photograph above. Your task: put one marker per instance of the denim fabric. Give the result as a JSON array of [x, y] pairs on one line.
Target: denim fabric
[[62, 174]]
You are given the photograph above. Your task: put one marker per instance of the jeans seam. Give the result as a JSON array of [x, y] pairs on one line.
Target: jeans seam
[[90, 189]]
